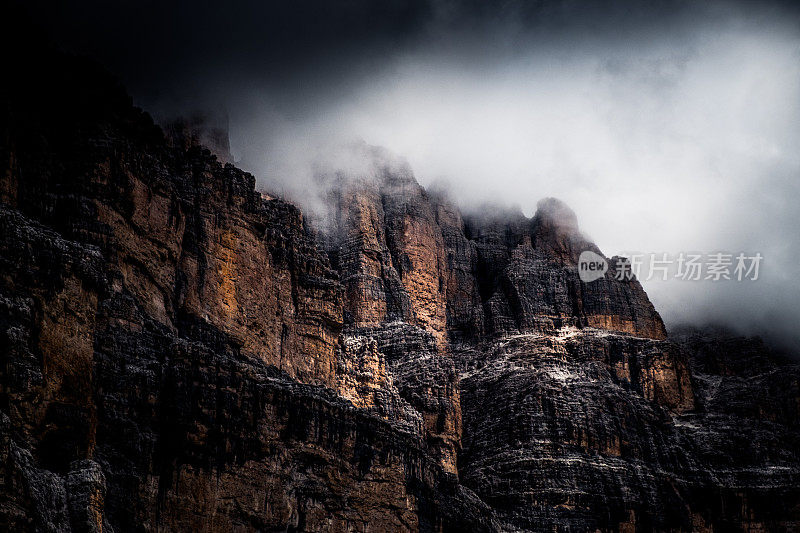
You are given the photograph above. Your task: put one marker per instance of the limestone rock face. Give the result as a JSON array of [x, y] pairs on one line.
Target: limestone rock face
[[405, 254], [183, 235], [387, 246], [533, 282], [427, 380], [561, 431], [589, 430], [464, 308], [172, 344], [181, 352]]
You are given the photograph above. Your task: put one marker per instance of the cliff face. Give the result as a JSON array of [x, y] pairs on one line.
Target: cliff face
[[172, 343], [387, 245], [181, 352], [405, 254]]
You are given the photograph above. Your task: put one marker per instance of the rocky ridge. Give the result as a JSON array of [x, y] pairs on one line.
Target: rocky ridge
[[180, 352], [406, 254]]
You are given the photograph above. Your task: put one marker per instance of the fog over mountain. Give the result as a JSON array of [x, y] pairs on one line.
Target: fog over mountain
[[667, 126]]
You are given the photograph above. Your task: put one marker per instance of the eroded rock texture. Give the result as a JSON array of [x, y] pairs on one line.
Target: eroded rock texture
[[387, 245], [590, 430], [405, 254], [172, 343], [181, 352]]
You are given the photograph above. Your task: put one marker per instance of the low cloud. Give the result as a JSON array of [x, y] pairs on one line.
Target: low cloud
[[667, 126]]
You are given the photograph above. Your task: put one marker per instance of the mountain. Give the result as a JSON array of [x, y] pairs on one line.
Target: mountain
[[182, 352]]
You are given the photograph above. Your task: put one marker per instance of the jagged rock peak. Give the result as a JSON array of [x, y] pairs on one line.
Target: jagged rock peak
[[553, 214], [555, 229]]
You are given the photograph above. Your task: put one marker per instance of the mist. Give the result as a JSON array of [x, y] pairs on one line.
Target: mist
[[667, 126]]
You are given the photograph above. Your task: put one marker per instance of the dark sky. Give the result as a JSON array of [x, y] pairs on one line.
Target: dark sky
[[183, 49], [669, 126], [184, 46]]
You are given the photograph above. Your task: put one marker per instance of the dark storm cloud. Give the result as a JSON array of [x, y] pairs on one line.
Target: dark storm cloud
[[184, 46], [668, 126], [182, 49]]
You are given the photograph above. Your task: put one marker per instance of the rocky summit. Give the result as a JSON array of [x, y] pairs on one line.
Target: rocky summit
[[182, 352]]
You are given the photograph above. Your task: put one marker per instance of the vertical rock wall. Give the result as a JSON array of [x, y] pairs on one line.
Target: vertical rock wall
[[181, 352]]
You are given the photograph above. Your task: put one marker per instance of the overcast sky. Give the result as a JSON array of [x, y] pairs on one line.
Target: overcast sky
[[667, 126]]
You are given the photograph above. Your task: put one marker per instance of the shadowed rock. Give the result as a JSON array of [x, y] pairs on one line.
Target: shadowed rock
[[180, 352]]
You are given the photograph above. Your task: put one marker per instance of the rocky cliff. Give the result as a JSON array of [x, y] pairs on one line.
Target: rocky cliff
[[405, 254], [181, 352]]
